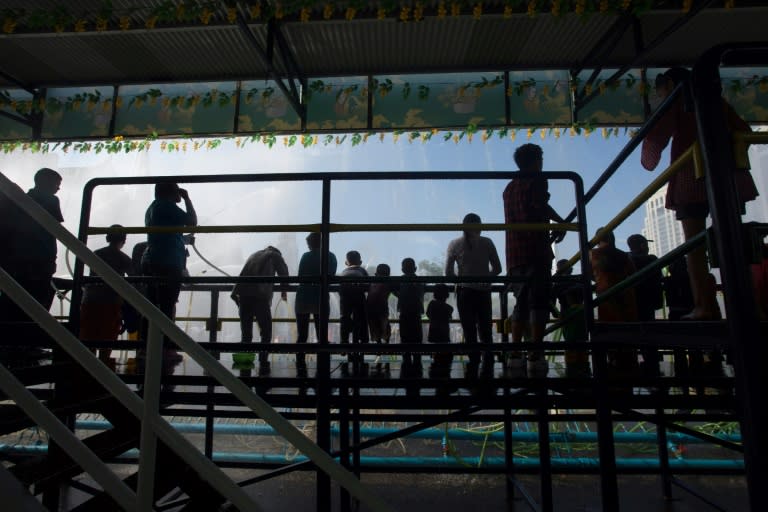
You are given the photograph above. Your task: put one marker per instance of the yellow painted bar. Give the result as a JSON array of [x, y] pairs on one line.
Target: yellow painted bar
[[643, 196]]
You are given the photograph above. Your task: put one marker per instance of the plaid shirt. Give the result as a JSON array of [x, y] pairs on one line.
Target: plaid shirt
[[680, 126], [526, 201]]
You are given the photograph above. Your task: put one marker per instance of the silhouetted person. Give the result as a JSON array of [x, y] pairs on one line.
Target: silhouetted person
[[410, 308], [377, 310], [686, 194], [166, 257], [439, 313], [649, 295], [101, 317], [529, 254], [308, 300], [474, 256], [255, 299], [29, 251], [131, 317], [560, 289], [610, 266], [352, 297]]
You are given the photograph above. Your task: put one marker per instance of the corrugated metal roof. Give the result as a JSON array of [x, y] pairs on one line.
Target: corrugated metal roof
[[221, 51]]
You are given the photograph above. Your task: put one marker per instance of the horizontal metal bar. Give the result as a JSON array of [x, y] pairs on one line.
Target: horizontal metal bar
[[334, 228]]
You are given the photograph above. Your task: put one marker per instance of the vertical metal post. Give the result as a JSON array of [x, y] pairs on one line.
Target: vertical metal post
[[662, 441], [79, 269], [345, 458], [323, 374], [210, 406], [509, 451], [148, 439], [747, 351], [606, 450], [507, 101], [545, 456]]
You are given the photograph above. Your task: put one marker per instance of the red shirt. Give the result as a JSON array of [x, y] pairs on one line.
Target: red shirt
[[680, 126], [526, 200]]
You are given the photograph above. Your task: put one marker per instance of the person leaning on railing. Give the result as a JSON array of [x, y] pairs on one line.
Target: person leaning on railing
[[529, 256], [687, 193]]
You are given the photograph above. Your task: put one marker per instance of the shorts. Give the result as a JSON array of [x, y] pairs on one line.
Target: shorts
[[533, 295]]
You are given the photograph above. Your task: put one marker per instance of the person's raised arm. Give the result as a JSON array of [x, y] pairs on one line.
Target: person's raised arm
[[657, 139], [191, 214]]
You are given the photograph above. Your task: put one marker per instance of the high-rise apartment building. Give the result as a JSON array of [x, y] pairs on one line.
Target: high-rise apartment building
[[660, 225]]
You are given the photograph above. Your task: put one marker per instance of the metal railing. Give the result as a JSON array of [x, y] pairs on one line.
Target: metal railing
[[153, 425]]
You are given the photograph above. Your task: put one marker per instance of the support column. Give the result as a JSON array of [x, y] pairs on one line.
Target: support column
[[747, 350]]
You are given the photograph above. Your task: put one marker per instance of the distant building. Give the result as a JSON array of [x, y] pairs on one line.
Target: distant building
[[660, 225]]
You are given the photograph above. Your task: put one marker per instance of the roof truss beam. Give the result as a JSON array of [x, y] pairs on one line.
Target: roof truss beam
[[671, 29], [267, 54]]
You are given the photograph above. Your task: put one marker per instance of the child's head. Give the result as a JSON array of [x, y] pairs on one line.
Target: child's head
[[314, 240], [408, 266], [605, 237], [116, 239], [529, 158], [354, 259], [441, 292], [382, 269]]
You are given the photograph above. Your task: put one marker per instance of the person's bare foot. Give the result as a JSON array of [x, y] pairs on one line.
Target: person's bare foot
[[702, 315]]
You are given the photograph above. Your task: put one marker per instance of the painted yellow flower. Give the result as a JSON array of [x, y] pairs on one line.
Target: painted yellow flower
[[255, 11], [151, 22], [231, 14], [205, 16], [327, 11], [477, 11], [124, 23], [405, 13], [9, 26], [531, 9], [418, 11], [101, 24], [80, 25], [304, 14]]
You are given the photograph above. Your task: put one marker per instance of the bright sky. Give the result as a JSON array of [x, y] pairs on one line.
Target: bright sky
[[363, 202]]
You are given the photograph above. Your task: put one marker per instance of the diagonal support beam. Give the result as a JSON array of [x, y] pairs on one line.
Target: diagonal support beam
[[603, 47], [671, 29], [18, 83], [266, 56], [18, 119]]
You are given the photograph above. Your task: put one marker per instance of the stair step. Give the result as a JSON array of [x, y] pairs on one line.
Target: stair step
[[56, 466], [13, 419]]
